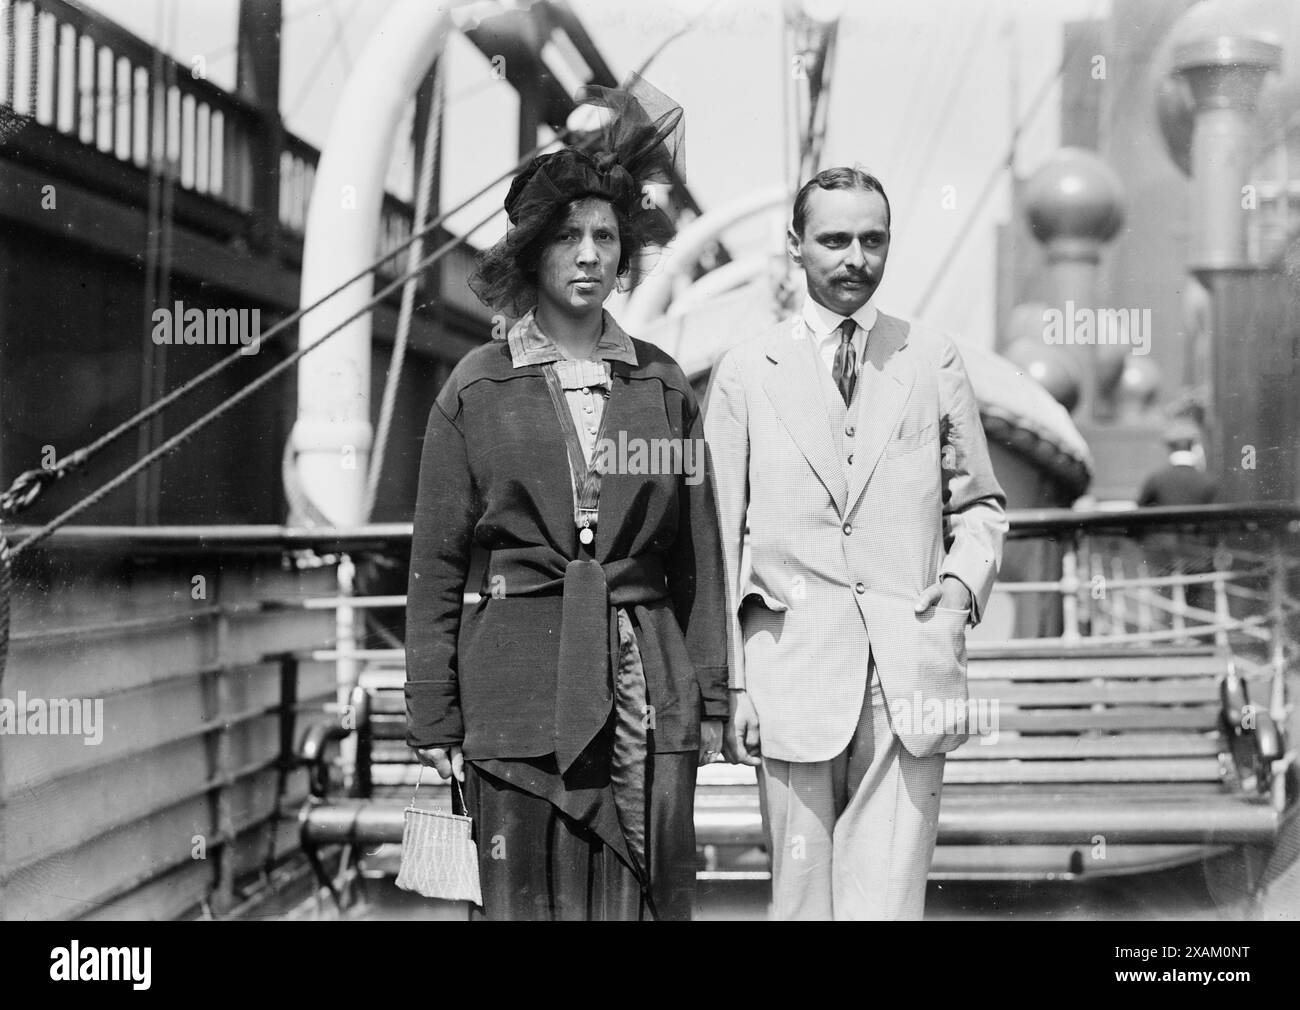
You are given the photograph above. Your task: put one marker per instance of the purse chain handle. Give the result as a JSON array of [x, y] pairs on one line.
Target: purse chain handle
[[455, 785]]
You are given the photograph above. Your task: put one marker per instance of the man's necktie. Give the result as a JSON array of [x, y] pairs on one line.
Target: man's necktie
[[845, 372]]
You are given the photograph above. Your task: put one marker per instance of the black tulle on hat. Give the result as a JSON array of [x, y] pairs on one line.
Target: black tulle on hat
[[638, 141]]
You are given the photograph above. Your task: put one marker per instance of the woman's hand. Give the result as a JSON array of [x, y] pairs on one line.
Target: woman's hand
[[446, 761], [710, 740]]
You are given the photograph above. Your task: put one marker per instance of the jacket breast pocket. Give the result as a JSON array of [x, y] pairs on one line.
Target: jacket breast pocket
[[912, 437]]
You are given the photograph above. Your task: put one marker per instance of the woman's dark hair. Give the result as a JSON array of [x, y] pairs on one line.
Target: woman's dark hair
[[836, 178], [529, 256]]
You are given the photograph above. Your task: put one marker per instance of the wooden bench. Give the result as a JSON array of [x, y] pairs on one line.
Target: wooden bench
[[1104, 761]]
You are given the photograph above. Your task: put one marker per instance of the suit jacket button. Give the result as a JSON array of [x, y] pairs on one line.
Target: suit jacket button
[[848, 529], [859, 588], [850, 459], [849, 431]]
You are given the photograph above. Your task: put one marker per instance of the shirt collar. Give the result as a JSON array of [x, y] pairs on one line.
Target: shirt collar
[[530, 346], [823, 322]]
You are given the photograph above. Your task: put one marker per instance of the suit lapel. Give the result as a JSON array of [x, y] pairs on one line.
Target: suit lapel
[[793, 387], [884, 383]]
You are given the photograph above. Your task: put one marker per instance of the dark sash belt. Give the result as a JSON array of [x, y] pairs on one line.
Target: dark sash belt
[[584, 695]]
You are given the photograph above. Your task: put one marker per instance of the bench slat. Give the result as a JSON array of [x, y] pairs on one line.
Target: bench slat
[[1159, 692], [397, 774], [1009, 691], [388, 727], [1124, 745], [1034, 668], [387, 701], [1094, 648], [1066, 720], [1136, 666], [392, 752], [1162, 770]]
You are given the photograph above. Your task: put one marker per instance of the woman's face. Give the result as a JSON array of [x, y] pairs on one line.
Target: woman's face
[[579, 266]]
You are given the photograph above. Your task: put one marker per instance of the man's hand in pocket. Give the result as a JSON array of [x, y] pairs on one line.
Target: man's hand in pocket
[[949, 592]]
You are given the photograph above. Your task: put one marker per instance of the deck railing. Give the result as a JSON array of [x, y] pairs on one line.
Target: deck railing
[[1224, 575], [85, 77], [175, 659], [205, 645], [113, 107]]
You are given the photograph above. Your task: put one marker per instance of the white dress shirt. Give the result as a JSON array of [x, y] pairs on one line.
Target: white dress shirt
[[824, 327]]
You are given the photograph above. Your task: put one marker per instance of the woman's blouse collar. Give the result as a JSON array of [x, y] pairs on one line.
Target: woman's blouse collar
[[530, 346]]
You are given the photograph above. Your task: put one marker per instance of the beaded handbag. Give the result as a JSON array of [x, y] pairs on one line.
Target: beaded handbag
[[439, 857]]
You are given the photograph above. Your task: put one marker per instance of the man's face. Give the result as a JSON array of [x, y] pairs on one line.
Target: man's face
[[843, 248]]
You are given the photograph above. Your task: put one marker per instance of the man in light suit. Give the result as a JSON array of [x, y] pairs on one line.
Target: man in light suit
[[849, 444]]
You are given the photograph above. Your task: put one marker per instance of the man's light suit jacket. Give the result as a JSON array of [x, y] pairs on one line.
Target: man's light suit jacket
[[840, 550]]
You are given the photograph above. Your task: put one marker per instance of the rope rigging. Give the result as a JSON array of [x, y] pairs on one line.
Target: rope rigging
[[176, 440], [28, 485], [1006, 163]]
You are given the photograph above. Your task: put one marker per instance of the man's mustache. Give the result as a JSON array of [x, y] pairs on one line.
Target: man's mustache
[[859, 278]]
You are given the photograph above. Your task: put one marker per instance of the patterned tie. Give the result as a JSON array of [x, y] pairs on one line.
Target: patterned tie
[[845, 372]]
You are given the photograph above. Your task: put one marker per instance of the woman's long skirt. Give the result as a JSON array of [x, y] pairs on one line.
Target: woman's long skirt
[[621, 847]]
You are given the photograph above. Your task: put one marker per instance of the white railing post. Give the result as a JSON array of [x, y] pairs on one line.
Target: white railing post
[[1095, 611], [1222, 615], [1277, 606], [1179, 595], [1070, 590], [347, 668], [1118, 606]]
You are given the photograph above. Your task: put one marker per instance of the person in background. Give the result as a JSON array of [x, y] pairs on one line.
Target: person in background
[[1181, 481]]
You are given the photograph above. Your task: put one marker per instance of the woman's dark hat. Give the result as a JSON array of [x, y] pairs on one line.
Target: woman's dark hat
[[637, 140]]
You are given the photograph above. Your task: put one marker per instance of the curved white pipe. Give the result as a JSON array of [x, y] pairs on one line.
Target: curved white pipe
[[720, 281], [651, 299], [332, 435]]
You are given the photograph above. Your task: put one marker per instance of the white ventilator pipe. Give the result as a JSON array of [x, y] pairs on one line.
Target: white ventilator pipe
[[651, 298], [332, 435], [712, 286], [718, 282]]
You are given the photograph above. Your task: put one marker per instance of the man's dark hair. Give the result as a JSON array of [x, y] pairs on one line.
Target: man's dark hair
[[837, 178]]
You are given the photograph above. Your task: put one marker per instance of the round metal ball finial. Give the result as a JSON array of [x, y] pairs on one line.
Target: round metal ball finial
[[1075, 195], [1227, 33], [1138, 387], [1055, 371], [1222, 36]]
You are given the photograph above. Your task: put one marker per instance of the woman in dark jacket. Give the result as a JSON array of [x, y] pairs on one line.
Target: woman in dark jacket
[[577, 698]]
